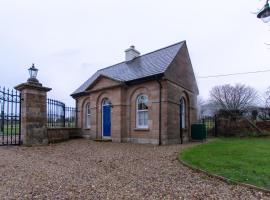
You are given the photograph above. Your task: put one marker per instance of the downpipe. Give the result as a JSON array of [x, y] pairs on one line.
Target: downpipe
[[160, 117]]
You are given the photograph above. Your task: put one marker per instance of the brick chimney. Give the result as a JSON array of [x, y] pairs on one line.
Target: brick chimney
[[131, 53]]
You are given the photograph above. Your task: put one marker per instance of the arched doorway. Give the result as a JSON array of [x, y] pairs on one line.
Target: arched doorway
[[106, 118]]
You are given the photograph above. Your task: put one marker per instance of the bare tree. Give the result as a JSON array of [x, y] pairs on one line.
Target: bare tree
[[267, 97], [228, 97], [264, 111]]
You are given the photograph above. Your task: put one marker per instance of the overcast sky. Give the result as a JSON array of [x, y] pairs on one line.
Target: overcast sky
[[69, 40]]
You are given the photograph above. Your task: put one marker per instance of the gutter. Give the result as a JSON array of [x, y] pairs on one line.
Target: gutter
[[144, 79], [75, 95], [181, 120]]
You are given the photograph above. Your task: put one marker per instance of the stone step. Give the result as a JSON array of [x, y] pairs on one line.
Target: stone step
[[103, 140]]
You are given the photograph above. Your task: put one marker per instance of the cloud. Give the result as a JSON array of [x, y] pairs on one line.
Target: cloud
[[86, 65], [70, 40], [67, 53]]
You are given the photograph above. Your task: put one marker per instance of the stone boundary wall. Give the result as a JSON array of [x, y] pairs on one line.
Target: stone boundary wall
[[62, 134], [240, 126], [264, 125], [234, 126]]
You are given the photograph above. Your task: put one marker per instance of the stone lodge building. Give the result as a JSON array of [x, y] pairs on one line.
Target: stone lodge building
[[145, 99]]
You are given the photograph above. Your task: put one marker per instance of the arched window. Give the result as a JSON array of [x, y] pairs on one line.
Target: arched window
[[183, 112], [142, 111], [87, 116]]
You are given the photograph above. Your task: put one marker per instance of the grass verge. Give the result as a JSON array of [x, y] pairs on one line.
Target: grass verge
[[243, 160]]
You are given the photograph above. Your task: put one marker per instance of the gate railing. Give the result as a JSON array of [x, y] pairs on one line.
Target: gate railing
[[211, 125], [58, 115], [10, 117]]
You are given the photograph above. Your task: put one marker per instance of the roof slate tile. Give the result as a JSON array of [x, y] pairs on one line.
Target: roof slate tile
[[143, 66]]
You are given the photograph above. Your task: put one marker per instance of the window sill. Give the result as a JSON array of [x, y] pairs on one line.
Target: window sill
[[141, 129]]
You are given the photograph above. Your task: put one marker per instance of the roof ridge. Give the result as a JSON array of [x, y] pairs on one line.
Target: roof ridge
[[144, 55]]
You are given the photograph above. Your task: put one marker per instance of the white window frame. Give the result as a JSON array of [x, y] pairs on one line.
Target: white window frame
[[144, 126], [88, 116], [183, 108]]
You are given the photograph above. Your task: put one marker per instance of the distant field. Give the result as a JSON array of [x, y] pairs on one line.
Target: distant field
[[10, 129]]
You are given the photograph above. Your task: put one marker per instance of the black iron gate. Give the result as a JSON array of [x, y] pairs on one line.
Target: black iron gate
[[10, 117], [58, 115], [211, 125]]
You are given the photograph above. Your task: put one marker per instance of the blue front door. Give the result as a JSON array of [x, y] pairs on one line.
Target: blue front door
[[106, 121]]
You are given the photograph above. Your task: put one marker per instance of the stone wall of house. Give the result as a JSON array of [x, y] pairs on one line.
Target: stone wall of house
[[181, 71], [151, 134], [123, 120], [123, 99], [62, 134], [175, 93], [181, 83], [95, 98]]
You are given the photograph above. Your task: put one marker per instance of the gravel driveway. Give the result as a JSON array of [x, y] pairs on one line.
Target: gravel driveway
[[84, 169]]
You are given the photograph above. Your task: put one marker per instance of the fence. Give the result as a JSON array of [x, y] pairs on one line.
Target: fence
[[58, 115], [10, 117]]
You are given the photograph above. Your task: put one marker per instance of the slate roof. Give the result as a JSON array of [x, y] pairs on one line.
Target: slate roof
[[146, 65]]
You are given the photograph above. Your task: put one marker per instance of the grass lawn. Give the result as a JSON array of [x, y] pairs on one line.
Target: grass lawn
[[244, 160]]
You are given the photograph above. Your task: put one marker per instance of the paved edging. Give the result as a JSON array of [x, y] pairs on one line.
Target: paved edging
[[227, 180]]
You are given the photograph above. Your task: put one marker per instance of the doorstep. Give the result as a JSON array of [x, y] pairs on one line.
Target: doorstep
[[103, 140]]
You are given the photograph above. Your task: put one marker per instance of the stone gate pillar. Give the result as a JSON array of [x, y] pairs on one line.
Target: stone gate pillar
[[33, 112]]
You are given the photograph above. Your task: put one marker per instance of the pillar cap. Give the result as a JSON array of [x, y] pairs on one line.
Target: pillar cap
[[30, 85]]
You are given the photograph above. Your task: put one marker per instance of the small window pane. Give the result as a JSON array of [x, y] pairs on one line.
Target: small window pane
[[140, 119], [142, 111], [183, 116], [88, 116], [143, 106], [146, 118], [143, 118], [88, 110], [142, 103]]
